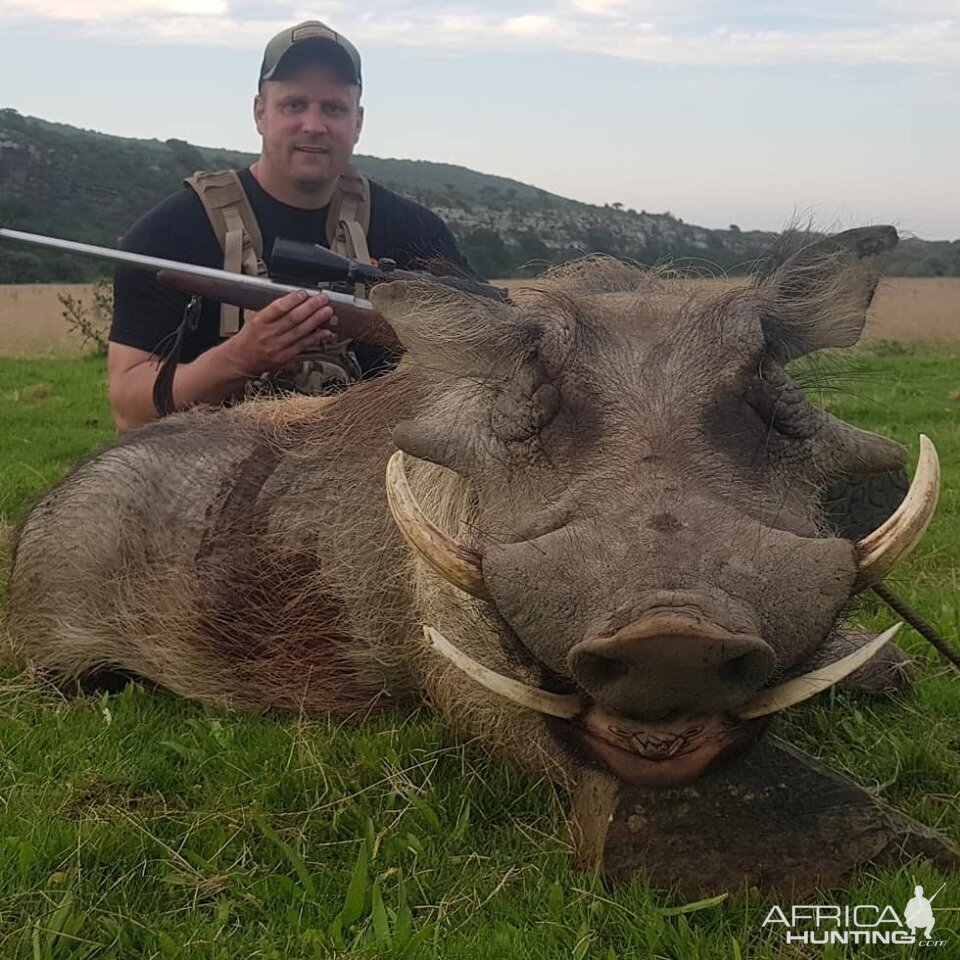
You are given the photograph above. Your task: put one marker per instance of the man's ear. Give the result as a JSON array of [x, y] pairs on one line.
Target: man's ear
[[356, 135], [258, 109]]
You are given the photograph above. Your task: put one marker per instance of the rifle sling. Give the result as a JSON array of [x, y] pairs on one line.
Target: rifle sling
[[163, 384]]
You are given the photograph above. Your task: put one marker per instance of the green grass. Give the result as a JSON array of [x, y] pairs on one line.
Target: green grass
[[51, 413], [139, 825]]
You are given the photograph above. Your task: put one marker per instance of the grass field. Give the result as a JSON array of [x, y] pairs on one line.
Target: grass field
[[138, 825]]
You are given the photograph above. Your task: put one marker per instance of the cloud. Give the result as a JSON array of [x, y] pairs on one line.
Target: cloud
[[685, 32], [531, 25], [107, 10], [921, 8], [604, 8]]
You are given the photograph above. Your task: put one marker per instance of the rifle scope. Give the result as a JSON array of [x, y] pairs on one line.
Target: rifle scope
[[296, 261]]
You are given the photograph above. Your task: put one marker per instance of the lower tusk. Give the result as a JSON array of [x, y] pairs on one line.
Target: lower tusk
[[565, 706], [810, 684], [456, 563], [880, 551]]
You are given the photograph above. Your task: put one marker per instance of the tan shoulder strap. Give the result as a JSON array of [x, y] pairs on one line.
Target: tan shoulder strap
[[236, 228], [348, 216]]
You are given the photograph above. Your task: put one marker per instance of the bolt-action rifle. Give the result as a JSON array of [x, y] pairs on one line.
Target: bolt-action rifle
[[294, 266]]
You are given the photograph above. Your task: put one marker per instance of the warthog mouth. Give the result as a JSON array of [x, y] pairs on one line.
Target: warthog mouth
[[666, 753], [657, 753]]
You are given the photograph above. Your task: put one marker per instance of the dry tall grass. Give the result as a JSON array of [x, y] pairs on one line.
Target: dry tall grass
[[910, 309]]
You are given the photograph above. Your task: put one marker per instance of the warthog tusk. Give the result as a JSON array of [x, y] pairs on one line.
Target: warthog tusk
[[571, 705], [880, 551], [809, 685], [566, 706], [456, 563]]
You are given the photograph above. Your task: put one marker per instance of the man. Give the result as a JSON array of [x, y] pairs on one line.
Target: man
[[918, 914], [308, 114]]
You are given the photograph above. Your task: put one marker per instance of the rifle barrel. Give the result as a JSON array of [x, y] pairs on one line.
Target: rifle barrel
[[240, 289]]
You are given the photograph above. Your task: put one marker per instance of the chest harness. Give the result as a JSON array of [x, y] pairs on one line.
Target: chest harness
[[235, 226]]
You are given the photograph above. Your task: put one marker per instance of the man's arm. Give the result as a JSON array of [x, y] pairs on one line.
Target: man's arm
[[268, 340], [131, 374]]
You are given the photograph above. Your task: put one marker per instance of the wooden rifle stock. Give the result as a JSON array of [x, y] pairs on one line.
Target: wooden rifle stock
[[350, 322]]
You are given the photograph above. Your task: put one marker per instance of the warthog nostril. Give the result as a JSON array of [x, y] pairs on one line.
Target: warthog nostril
[[745, 668], [593, 670]]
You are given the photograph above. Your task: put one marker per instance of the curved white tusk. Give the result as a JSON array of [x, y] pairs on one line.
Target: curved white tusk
[[456, 563], [566, 706], [895, 538], [810, 684]]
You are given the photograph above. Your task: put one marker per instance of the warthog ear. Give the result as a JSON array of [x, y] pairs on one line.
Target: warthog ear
[[819, 294], [445, 328]]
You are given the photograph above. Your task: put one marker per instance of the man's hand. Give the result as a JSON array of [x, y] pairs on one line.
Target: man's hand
[[274, 336]]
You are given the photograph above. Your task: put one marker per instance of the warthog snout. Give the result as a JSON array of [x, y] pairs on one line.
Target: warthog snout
[[670, 662]]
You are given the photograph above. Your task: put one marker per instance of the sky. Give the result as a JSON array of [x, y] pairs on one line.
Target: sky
[[753, 112]]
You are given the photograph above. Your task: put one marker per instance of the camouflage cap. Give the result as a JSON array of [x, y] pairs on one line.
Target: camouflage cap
[[328, 42]]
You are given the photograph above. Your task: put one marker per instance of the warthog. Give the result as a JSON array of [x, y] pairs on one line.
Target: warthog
[[607, 495]]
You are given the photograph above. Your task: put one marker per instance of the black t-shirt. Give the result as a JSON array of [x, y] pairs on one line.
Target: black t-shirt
[[146, 314]]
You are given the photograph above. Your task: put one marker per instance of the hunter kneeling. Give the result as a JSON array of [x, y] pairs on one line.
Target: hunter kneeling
[[302, 187]]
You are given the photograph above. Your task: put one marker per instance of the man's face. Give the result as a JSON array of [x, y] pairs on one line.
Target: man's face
[[310, 123]]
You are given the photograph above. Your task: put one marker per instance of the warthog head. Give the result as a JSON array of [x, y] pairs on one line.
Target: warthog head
[[644, 536]]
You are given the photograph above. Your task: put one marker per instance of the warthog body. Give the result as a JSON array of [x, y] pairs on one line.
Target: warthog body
[[630, 460]]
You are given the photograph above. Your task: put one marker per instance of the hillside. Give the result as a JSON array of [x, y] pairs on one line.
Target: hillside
[[89, 186]]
